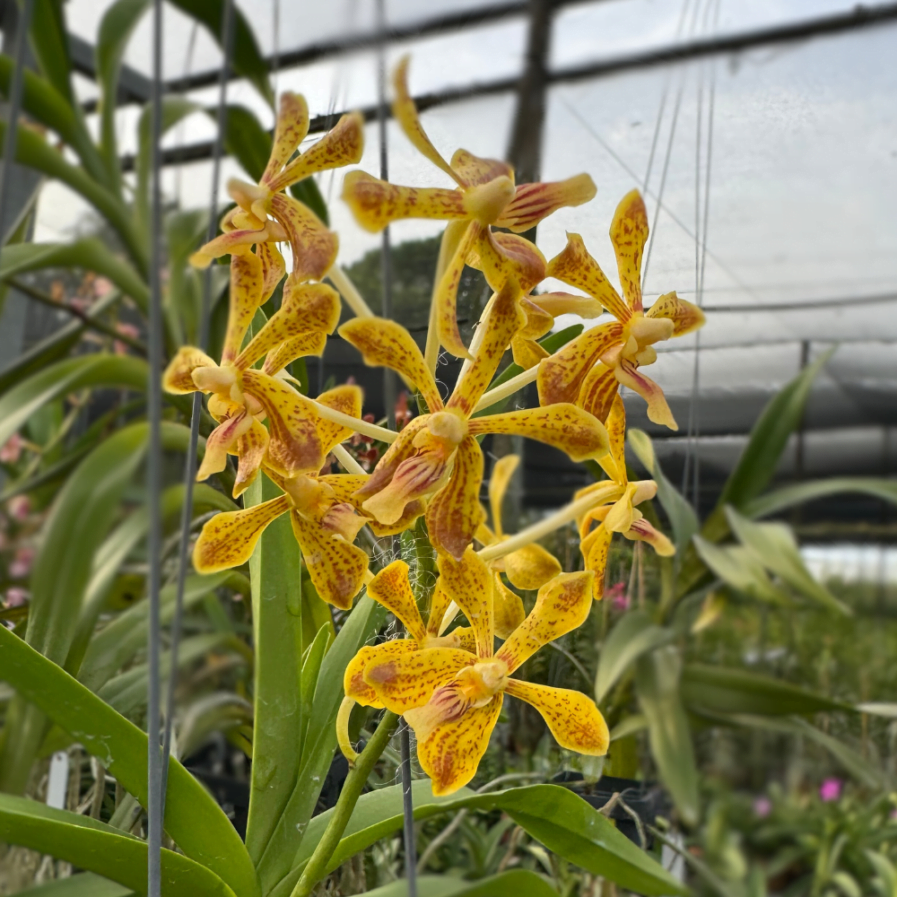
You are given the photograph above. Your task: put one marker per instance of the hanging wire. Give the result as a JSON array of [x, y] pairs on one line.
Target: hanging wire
[[15, 108], [154, 810], [227, 39]]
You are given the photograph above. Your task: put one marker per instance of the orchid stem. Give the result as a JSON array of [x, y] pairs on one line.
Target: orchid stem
[[508, 388], [349, 292], [350, 465], [316, 868], [354, 423]]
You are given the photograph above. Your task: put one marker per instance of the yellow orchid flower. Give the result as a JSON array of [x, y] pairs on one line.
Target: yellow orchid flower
[[437, 454], [314, 247], [486, 196], [324, 516], [590, 368], [619, 514], [452, 697]]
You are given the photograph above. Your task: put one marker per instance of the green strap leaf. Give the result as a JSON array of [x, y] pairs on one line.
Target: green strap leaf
[[799, 493], [97, 847], [773, 545], [632, 637], [720, 690], [89, 255], [64, 377], [560, 819], [276, 577], [50, 42], [657, 683], [519, 882], [85, 884], [192, 818], [737, 568]]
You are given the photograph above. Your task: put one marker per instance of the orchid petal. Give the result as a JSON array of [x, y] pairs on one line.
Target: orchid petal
[[598, 391], [342, 145], [642, 531], [622, 513], [277, 359], [235, 242], [251, 449], [614, 462], [563, 426], [595, 548], [401, 450], [403, 683], [629, 233], [562, 605], [499, 480], [574, 719], [538, 320], [385, 343], [473, 170], [454, 512], [273, 269], [561, 375], [353, 679], [228, 539], [376, 203], [347, 399], [450, 752], [686, 317], [527, 353], [531, 567], [507, 608], [556, 304], [289, 132], [445, 297], [502, 256], [246, 286], [221, 441], [439, 604], [178, 376], [576, 267], [406, 114], [468, 582], [503, 320], [534, 202], [658, 409], [314, 246], [390, 587], [336, 567]]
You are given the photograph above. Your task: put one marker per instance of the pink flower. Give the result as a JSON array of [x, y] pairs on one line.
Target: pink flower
[[128, 330], [617, 594], [102, 286], [830, 790], [11, 450], [19, 507], [762, 807], [21, 565], [16, 597]]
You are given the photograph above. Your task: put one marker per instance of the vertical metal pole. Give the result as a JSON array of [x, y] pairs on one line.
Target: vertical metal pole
[[154, 479], [227, 35]]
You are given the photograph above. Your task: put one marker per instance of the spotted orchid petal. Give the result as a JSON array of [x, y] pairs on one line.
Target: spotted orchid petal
[[314, 246], [595, 548], [503, 320], [277, 359], [222, 440], [574, 719], [642, 531], [507, 608], [454, 512], [228, 539], [384, 343], [468, 582], [472, 170], [499, 480], [658, 409], [576, 267], [369, 655], [449, 746], [236, 242], [562, 605], [408, 681], [534, 202], [538, 320], [340, 146], [598, 391], [306, 307], [556, 304], [406, 114], [439, 604], [346, 485], [503, 256], [347, 399], [561, 376], [527, 353], [273, 269], [531, 567], [445, 297], [376, 203], [391, 588], [294, 446], [178, 376], [246, 295], [252, 447], [563, 426], [622, 513], [400, 451], [629, 233], [336, 567], [614, 462], [289, 132], [686, 317]]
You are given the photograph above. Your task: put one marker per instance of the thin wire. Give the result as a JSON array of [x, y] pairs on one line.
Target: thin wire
[[15, 109], [154, 479], [227, 35]]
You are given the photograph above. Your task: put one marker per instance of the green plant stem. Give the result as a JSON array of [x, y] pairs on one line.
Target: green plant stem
[[316, 868]]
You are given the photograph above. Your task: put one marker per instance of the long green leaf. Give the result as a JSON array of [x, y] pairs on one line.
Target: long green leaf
[[192, 817], [91, 254], [50, 43], [64, 377], [519, 882], [276, 576], [799, 493], [319, 742], [632, 637], [560, 819], [721, 690], [84, 884], [248, 61], [737, 568], [657, 683], [773, 545], [34, 152], [99, 848], [116, 28]]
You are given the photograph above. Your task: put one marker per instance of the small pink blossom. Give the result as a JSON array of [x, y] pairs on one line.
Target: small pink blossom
[[762, 807], [102, 286], [830, 790], [128, 330], [21, 564], [11, 450], [19, 507], [617, 594], [16, 597]]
